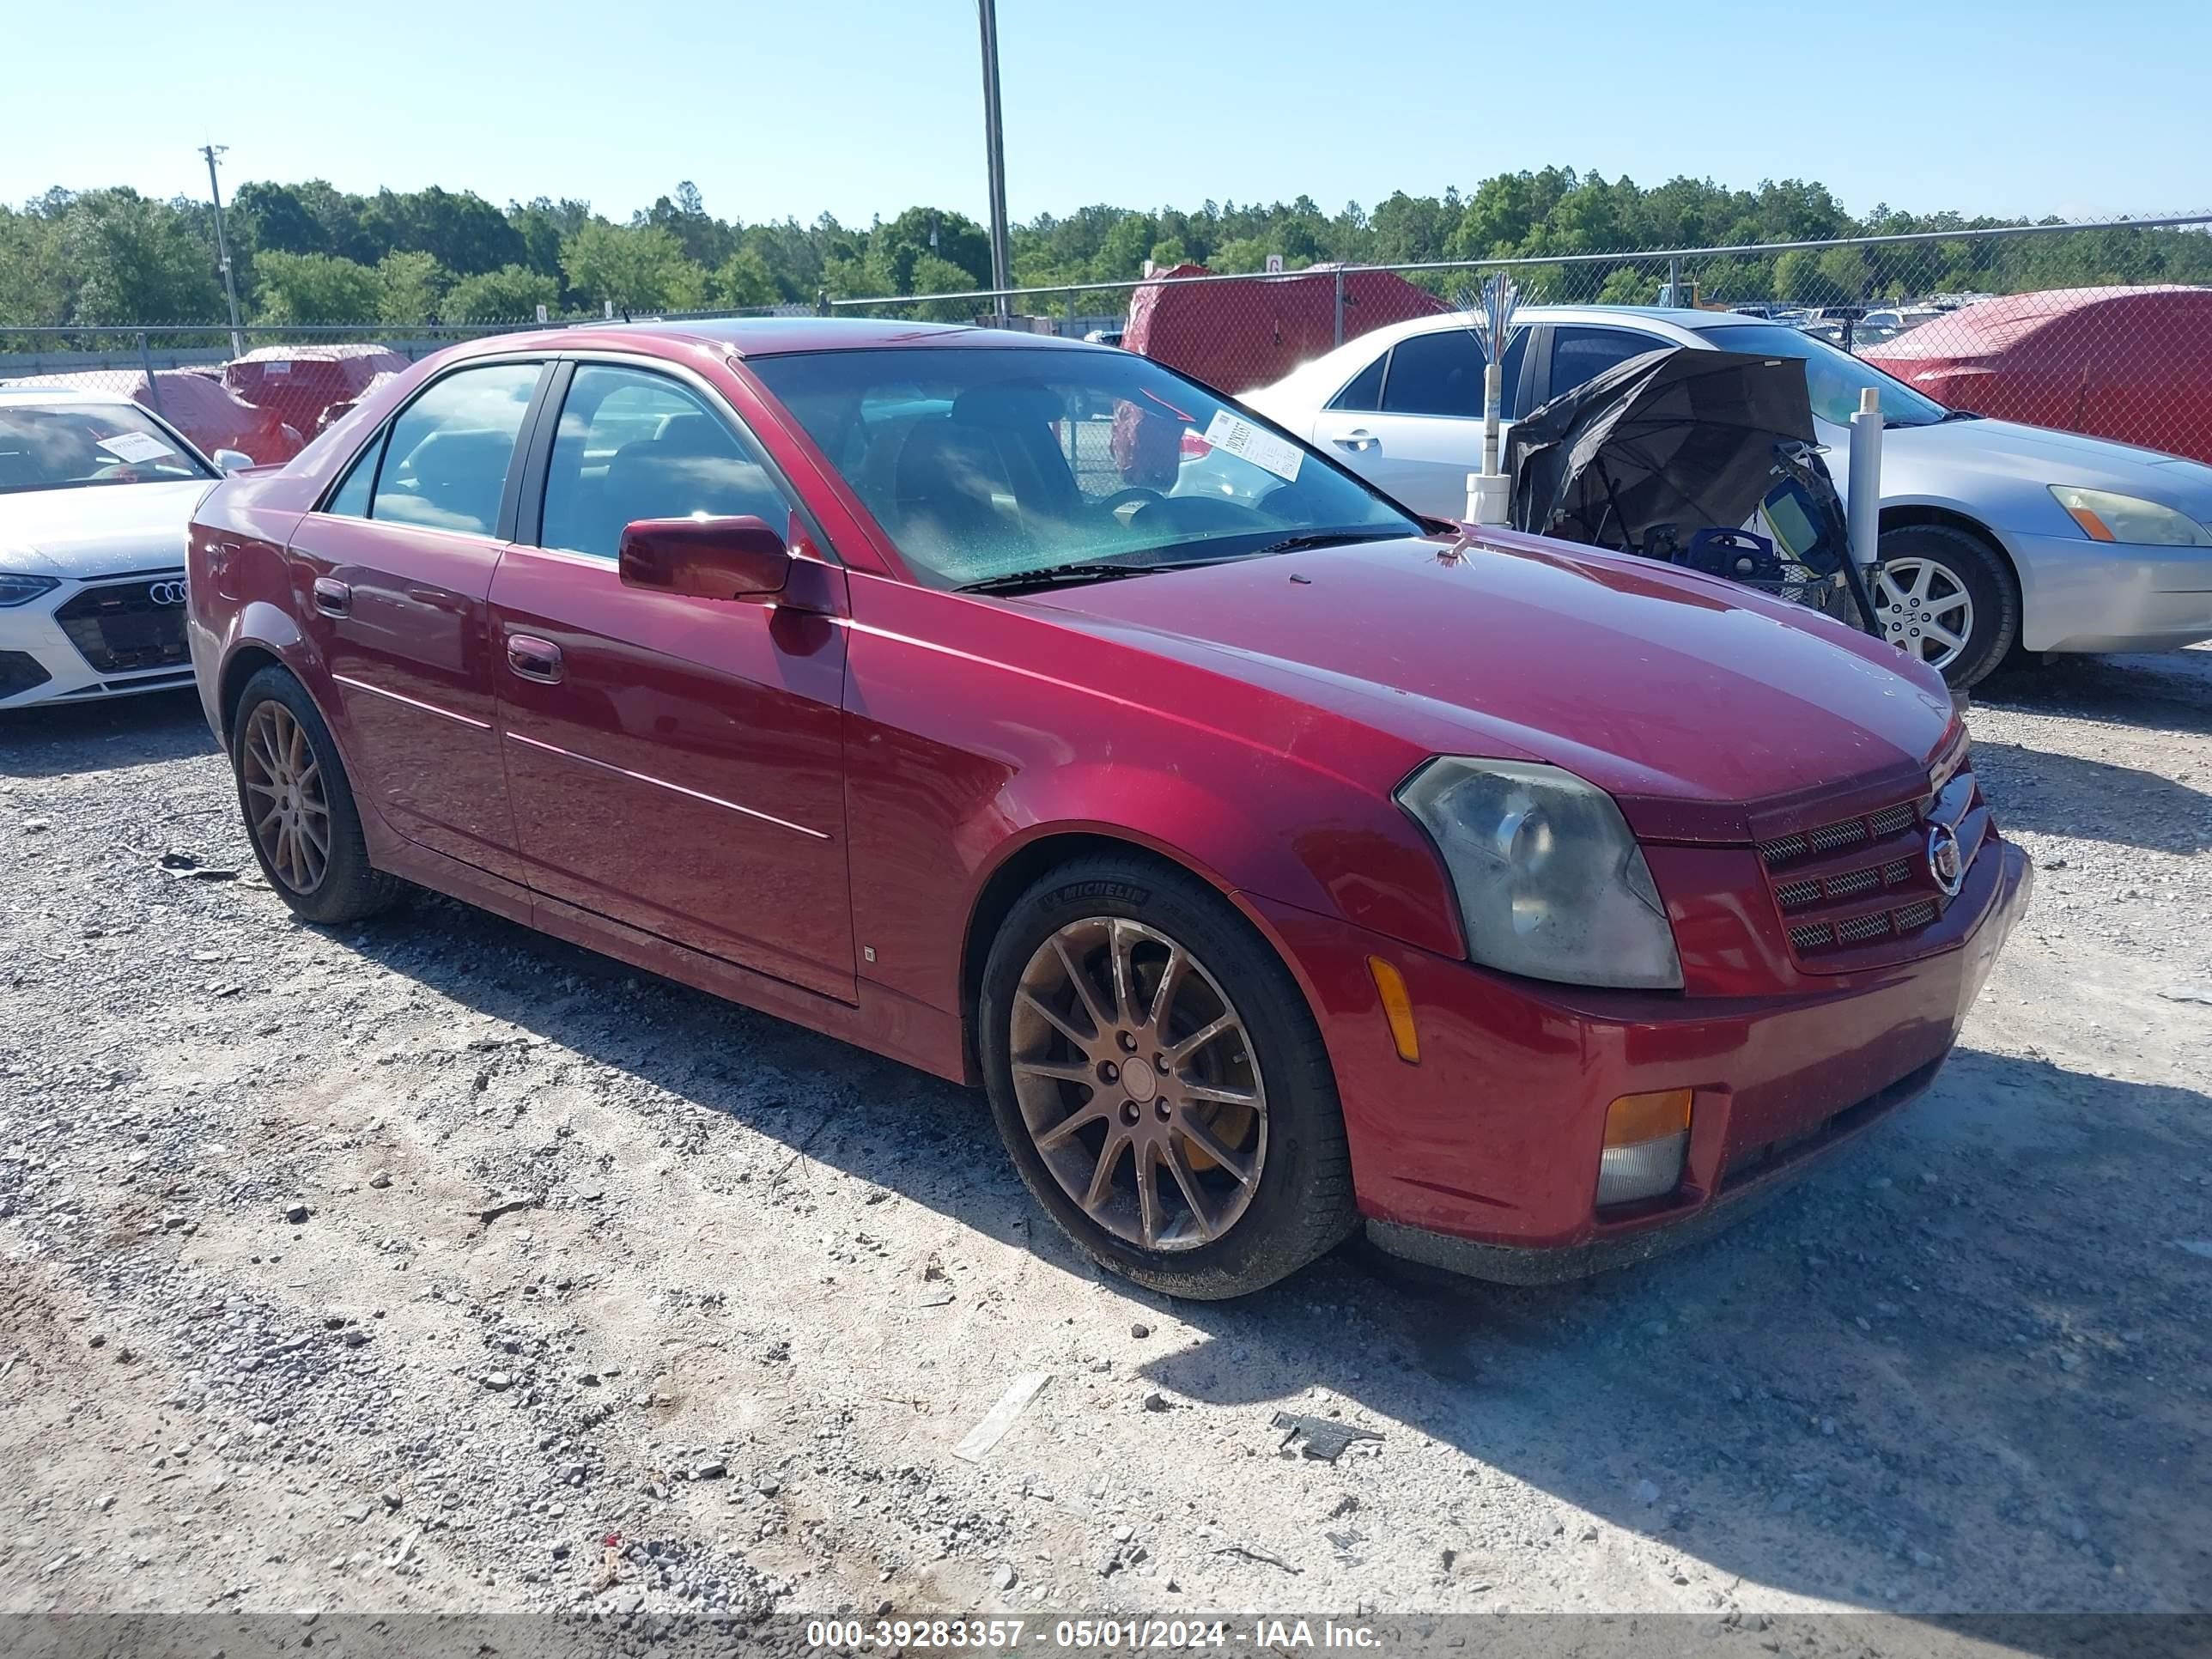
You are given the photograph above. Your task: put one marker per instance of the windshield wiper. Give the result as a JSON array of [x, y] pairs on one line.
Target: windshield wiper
[[1323, 538], [1958, 414], [1021, 581]]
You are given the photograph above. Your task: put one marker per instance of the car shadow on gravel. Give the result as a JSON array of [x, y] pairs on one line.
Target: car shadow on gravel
[[2168, 691], [1915, 1382], [55, 741], [2061, 794]]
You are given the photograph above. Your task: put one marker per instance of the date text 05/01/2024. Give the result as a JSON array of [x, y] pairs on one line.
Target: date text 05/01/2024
[[887, 1635]]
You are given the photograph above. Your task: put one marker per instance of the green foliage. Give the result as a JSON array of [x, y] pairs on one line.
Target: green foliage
[[744, 282], [112, 256], [636, 268], [510, 294], [135, 260], [408, 286], [316, 287]]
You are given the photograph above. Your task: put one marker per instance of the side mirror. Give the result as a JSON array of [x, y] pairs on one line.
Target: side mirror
[[231, 460], [733, 558]]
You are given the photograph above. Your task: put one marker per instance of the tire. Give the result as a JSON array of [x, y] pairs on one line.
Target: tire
[[340, 885], [1931, 574], [1281, 1193]]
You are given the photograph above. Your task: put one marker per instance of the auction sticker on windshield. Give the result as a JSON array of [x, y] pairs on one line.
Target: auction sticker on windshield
[[134, 446], [1249, 442]]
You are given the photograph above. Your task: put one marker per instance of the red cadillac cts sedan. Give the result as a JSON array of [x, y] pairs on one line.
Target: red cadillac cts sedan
[[1277, 862]]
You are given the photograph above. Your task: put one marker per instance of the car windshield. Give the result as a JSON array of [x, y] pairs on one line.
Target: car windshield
[[1833, 376], [989, 465], [69, 446]]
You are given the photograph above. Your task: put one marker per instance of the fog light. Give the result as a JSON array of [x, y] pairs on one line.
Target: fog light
[[1646, 1137]]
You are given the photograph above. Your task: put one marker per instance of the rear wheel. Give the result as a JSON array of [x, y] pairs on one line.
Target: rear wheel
[[1160, 1082], [1947, 598], [298, 808]]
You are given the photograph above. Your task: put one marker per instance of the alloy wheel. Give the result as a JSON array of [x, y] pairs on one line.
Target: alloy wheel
[[1925, 609], [1139, 1084], [288, 810]]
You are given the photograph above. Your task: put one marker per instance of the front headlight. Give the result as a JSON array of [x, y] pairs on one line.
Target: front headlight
[[2105, 517], [20, 587], [1551, 883]]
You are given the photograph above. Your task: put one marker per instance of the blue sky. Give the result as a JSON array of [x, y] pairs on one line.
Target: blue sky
[[861, 107]]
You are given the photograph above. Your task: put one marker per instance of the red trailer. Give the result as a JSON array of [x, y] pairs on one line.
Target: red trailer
[[299, 382], [2129, 363], [1237, 335]]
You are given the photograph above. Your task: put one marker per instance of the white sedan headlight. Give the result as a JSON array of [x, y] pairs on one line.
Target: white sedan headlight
[[2105, 517], [21, 587], [1551, 883]]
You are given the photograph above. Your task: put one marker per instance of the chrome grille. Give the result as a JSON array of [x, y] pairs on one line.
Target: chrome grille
[[1919, 914], [1811, 938], [1796, 894], [1829, 836], [1853, 882], [1857, 930], [1891, 819]]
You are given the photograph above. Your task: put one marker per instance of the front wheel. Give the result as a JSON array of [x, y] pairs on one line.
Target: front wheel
[[1159, 1082], [1947, 598]]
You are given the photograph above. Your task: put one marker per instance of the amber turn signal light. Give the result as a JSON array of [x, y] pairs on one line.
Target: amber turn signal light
[[1633, 1119], [1397, 1008]]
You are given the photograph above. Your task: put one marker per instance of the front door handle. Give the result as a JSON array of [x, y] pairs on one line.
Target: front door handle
[[534, 658], [333, 597], [1358, 440]]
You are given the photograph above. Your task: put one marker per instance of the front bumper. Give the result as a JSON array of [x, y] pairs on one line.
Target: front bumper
[[2081, 595], [1484, 1156], [100, 636]]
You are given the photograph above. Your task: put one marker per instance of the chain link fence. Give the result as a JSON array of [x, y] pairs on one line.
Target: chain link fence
[[2104, 329]]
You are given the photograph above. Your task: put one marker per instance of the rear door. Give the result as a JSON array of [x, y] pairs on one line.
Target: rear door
[[1578, 352], [1412, 423], [676, 763], [394, 570]]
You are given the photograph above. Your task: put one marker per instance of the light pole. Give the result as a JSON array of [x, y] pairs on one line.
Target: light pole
[[994, 145], [222, 249]]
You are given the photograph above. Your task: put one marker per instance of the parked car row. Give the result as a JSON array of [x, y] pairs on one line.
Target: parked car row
[[1998, 539]]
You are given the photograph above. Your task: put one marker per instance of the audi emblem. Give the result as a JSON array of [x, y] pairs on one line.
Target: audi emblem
[[166, 592], [1944, 862]]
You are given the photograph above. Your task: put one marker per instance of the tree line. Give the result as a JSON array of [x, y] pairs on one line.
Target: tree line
[[313, 253]]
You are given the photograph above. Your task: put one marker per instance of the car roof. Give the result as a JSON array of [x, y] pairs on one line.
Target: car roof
[[769, 337]]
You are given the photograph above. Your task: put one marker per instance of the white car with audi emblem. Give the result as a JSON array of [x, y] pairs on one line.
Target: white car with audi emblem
[[96, 497]]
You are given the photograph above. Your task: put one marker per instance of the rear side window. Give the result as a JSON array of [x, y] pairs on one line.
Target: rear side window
[[1365, 390], [1441, 374], [445, 463], [1583, 353], [634, 445]]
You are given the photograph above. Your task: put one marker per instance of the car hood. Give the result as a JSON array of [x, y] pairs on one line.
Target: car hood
[[2037, 456], [1711, 714], [99, 528]]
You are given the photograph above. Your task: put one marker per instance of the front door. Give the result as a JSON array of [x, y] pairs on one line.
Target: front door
[[397, 569], [676, 763]]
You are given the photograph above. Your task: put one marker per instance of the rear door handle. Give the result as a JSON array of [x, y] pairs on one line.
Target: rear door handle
[[333, 597], [534, 658], [1358, 440]]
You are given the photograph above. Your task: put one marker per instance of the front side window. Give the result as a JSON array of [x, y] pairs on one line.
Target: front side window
[[77, 446], [634, 445], [446, 462], [1583, 354], [986, 465]]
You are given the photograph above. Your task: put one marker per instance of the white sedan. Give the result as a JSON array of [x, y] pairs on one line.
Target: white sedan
[[96, 495], [1998, 540]]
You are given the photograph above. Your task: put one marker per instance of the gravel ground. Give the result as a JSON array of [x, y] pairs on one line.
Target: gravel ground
[[402, 1267]]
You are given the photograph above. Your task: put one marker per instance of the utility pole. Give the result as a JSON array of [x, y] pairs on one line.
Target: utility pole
[[222, 249], [994, 145]]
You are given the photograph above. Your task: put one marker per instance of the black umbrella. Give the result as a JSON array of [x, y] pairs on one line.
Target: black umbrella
[[1679, 437]]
